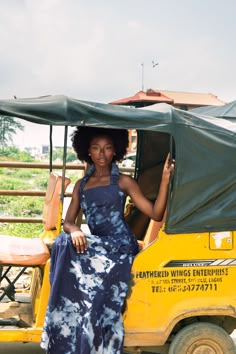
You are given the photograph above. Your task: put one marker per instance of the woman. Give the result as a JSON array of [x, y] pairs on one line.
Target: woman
[[90, 273]]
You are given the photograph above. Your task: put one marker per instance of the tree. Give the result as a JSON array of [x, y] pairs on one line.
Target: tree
[[13, 153], [8, 128], [58, 154]]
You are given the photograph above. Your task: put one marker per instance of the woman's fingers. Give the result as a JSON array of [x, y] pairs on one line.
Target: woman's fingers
[[80, 244], [79, 241], [172, 165], [168, 169]]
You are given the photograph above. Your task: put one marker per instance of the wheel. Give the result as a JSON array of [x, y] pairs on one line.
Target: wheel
[[202, 338]]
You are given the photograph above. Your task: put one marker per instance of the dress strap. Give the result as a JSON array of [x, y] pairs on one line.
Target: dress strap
[[86, 177], [113, 179], [114, 173]]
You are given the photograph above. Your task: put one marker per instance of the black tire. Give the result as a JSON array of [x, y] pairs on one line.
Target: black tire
[[201, 338]]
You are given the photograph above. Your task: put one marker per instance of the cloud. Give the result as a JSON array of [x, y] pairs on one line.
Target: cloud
[[94, 51]]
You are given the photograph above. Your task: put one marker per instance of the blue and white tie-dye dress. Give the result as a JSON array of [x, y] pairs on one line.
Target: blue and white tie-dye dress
[[88, 290]]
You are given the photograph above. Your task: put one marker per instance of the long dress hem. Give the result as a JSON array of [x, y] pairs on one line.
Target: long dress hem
[[88, 290]]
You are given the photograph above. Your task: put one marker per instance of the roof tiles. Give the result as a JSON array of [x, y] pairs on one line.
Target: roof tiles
[[172, 97]]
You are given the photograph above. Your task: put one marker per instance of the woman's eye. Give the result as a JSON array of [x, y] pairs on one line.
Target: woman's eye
[[94, 148]]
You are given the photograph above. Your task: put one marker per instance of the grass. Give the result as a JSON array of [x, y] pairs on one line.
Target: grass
[[25, 179], [21, 230], [22, 206], [25, 206]]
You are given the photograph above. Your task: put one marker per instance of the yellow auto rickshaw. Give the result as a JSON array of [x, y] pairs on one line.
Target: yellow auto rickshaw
[[182, 297]]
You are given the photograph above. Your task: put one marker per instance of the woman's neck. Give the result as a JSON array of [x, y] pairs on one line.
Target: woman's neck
[[102, 172]]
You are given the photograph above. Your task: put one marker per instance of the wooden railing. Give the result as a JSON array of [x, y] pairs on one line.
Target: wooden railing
[[38, 193], [55, 166]]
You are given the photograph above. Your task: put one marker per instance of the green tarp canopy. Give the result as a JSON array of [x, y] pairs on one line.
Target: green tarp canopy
[[203, 195], [227, 111]]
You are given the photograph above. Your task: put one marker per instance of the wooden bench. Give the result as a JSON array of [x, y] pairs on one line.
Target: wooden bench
[[32, 252]]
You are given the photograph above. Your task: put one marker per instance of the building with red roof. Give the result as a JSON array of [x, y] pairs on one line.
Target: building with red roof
[[182, 100]]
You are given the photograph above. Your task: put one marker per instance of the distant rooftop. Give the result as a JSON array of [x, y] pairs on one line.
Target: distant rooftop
[[179, 99]]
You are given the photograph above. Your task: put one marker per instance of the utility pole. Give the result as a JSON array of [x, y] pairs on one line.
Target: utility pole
[[142, 64]]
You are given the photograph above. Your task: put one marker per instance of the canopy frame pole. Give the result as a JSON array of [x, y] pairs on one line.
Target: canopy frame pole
[[51, 148], [64, 163], [171, 176]]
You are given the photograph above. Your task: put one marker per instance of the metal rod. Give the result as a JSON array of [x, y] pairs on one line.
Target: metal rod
[[23, 193], [16, 220], [57, 166], [28, 193], [142, 76], [20, 220], [64, 163], [51, 148], [171, 178]]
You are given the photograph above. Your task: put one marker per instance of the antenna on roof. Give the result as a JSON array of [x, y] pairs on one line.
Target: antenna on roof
[[154, 64], [142, 64]]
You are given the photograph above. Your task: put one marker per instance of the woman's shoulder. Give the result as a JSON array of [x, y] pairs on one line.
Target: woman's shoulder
[[125, 181], [123, 176], [77, 184]]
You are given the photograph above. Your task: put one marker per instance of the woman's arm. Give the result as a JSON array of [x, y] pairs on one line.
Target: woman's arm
[[70, 226], [157, 210]]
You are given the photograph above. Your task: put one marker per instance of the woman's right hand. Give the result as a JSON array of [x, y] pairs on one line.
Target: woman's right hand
[[79, 241]]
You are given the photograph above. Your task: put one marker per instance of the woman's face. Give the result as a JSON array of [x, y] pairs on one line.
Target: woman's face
[[102, 150]]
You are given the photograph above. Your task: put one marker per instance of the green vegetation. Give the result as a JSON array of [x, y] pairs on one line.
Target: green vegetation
[[8, 128], [21, 230], [22, 206], [24, 179], [70, 155], [12, 153]]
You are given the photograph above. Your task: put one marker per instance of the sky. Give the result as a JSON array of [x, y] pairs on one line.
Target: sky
[[94, 50]]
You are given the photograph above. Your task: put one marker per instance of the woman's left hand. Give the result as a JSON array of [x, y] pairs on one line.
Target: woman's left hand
[[168, 169]]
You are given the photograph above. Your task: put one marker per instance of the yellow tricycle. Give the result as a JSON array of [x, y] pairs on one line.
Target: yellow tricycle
[[182, 295]]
